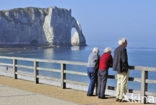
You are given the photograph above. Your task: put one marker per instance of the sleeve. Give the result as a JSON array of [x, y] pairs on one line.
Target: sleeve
[[124, 60], [97, 62], [111, 61], [124, 56]]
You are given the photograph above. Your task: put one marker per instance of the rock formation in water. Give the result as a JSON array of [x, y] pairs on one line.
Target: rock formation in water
[[41, 26]]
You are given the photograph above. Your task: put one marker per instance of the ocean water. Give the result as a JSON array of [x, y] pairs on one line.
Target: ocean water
[[136, 57]]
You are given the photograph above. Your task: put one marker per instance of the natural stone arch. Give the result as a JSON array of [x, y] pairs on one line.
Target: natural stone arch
[[78, 37], [48, 26]]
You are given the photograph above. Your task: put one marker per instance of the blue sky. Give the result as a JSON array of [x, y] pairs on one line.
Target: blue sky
[[105, 21]]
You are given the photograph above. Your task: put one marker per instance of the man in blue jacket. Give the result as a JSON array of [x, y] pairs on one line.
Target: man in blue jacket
[[92, 68], [120, 65]]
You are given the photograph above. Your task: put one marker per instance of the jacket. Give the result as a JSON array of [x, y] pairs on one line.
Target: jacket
[[93, 60], [106, 61], [120, 62]]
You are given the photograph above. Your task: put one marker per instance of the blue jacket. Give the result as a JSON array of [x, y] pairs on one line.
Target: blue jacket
[[120, 61]]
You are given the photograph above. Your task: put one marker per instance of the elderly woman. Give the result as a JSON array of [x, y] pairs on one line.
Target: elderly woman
[[92, 68], [105, 62]]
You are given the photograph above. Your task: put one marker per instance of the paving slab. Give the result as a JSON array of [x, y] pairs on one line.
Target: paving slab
[[13, 96]]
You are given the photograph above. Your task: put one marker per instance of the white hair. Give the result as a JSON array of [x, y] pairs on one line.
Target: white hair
[[95, 50], [122, 40], [107, 50]]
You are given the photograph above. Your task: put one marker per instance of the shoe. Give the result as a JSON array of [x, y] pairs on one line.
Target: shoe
[[89, 95], [121, 100], [117, 100], [102, 97]]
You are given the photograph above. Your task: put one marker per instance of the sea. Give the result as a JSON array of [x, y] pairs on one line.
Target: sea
[[136, 57]]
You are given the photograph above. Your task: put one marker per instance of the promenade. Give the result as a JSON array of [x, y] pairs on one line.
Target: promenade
[[21, 92]]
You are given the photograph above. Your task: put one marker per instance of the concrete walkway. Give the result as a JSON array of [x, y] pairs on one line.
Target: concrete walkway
[[13, 96], [21, 92]]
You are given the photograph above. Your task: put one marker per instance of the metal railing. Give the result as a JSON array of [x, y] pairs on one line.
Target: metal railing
[[63, 71]]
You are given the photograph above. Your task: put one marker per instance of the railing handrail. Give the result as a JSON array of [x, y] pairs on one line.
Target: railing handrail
[[145, 68], [45, 60]]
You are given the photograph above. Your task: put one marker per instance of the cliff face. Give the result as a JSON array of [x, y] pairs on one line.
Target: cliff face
[[38, 26]]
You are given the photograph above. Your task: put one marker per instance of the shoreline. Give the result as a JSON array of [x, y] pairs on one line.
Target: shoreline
[[15, 48]]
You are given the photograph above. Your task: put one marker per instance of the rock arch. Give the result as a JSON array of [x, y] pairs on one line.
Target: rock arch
[[78, 37], [43, 26]]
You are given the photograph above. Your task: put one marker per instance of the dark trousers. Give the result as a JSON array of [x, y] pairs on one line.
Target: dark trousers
[[102, 80], [93, 78]]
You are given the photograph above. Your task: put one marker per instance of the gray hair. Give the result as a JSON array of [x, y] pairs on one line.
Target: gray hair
[[95, 50], [107, 50], [122, 40]]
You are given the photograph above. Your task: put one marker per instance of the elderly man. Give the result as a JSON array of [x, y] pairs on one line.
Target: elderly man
[[92, 67], [120, 65]]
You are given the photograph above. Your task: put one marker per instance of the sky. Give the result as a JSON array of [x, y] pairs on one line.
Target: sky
[[104, 22]]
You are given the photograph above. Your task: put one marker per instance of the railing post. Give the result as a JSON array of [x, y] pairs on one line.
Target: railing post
[[36, 80], [14, 68], [144, 76], [63, 76]]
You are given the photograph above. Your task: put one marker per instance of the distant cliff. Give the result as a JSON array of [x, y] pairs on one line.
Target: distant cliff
[[40, 26]]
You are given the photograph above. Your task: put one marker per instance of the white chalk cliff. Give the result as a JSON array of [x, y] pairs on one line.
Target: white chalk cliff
[[39, 26]]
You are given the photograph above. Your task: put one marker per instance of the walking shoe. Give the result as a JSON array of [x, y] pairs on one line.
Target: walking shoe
[[117, 100], [121, 100], [89, 95], [102, 97]]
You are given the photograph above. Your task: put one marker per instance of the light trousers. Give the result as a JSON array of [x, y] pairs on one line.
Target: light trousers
[[122, 82]]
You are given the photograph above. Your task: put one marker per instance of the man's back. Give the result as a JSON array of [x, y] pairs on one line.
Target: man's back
[[93, 59], [120, 62]]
